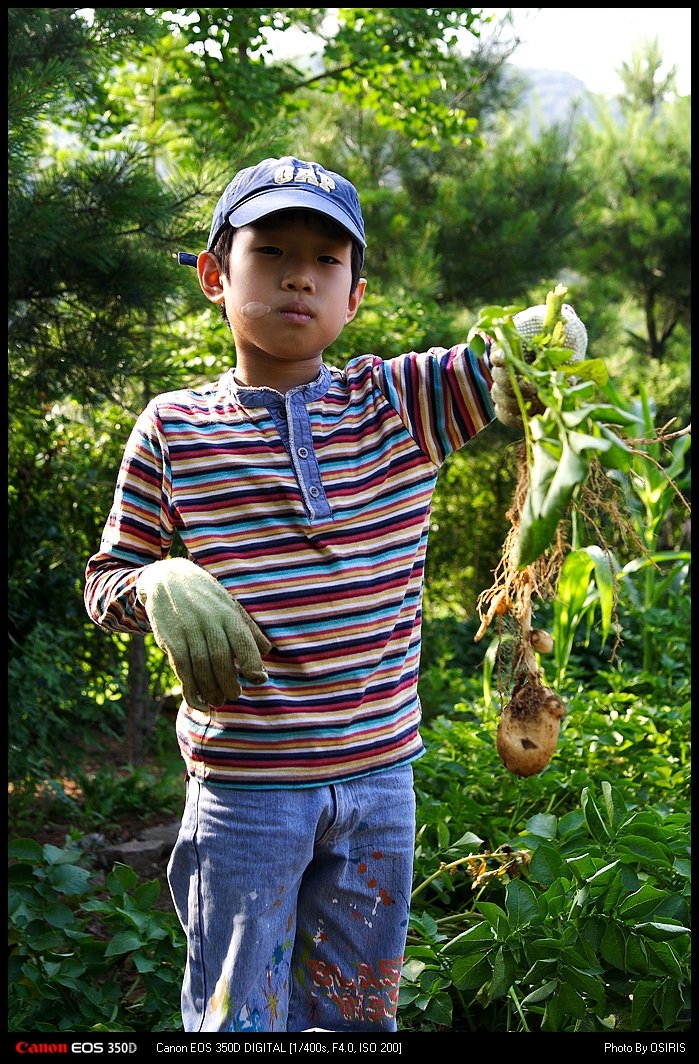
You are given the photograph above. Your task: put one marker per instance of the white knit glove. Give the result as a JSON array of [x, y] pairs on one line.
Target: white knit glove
[[530, 323]]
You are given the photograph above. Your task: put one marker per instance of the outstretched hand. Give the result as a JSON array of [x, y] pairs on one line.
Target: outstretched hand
[[531, 324]]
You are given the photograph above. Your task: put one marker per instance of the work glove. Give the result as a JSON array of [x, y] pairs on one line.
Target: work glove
[[207, 635], [530, 323]]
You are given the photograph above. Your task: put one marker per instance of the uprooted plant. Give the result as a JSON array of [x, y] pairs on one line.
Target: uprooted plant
[[571, 445]]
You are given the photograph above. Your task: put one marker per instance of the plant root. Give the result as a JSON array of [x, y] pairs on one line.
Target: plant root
[[513, 589], [529, 723]]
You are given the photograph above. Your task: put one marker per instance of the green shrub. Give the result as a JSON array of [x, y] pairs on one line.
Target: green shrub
[[587, 929], [559, 902], [86, 958]]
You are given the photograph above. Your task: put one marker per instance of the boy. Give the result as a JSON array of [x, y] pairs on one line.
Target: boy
[[302, 495]]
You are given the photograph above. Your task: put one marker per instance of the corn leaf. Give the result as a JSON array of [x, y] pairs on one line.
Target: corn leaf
[[552, 481]]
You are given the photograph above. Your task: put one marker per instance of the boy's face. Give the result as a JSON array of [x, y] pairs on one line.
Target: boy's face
[[287, 294]]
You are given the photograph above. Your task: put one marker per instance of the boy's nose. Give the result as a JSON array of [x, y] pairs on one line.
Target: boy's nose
[[298, 282]]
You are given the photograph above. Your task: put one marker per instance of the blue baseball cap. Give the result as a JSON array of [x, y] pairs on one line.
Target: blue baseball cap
[[281, 185]]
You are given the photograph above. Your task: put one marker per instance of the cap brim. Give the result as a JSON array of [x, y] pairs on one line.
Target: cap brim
[[274, 200]]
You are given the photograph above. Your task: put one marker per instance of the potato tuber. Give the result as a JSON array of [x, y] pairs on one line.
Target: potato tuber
[[528, 728]]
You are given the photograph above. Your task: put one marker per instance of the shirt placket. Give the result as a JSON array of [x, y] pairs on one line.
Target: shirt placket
[[303, 457]]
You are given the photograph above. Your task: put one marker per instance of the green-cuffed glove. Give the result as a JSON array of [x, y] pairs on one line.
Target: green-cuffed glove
[[207, 635], [530, 323]]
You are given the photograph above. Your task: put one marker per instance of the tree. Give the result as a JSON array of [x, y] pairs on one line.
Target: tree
[[644, 87], [222, 66], [507, 219], [635, 225], [87, 230]]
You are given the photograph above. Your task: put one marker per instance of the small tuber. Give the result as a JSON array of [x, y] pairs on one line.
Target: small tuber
[[528, 729]]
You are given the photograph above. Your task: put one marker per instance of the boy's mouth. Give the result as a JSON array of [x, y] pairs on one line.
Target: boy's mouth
[[296, 312]]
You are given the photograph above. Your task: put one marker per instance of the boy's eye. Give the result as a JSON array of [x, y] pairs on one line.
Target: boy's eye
[[272, 249]]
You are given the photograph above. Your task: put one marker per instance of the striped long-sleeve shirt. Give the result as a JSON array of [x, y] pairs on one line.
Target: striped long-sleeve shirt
[[312, 509]]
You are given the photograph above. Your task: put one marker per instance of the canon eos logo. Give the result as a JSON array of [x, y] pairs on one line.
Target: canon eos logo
[[41, 1047]]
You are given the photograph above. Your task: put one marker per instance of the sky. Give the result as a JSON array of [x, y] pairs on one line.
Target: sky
[[591, 43]]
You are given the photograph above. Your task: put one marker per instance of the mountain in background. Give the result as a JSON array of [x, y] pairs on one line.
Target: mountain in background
[[551, 95]]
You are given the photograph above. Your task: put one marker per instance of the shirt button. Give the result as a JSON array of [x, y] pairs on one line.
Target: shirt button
[[302, 452], [314, 492]]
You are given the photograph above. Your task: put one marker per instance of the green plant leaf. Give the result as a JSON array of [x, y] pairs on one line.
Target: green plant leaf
[[468, 841], [25, 850], [587, 983], [122, 878], [541, 993], [469, 973], [614, 805], [407, 994], [555, 472], [617, 455], [585, 441], [477, 345], [547, 866], [58, 915], [645, 849], [602, 880], [521, 903], [426, 922], [643, 902], [123, 942], [431, 981], [584, 866], [556, 897], [591, 369], [69, 879], [661, 932], [593, 818], [476, 939], [412, 969], [613, 946], [146, 895], [643, 1011], [637, 954], [423, 953], [19, 874], [555, 1013], [145, 964], [543, 824], [54, 855], [617, 888], [494, 916], [668, 1000], [572, 1003], [439, 1010], [667, 959], [504, 970]]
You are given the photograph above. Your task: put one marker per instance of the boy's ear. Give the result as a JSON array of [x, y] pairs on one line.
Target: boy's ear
[[209, 272], [355, 299]]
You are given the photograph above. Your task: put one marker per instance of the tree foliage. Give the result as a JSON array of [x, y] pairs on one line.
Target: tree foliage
[[635, 226]]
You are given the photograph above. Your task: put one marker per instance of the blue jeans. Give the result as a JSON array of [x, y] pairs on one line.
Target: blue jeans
[[295, 904]]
